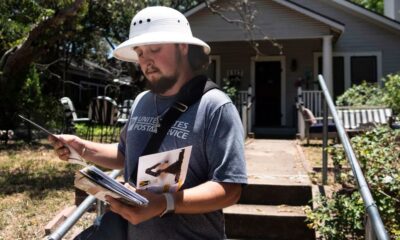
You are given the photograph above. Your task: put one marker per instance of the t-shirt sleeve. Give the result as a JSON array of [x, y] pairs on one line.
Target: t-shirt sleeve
[[225, 146]]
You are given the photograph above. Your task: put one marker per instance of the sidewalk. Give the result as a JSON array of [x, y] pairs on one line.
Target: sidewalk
[[273, 161]]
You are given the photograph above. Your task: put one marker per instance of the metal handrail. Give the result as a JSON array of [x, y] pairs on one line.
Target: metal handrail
[[77, 214], [369, 202]]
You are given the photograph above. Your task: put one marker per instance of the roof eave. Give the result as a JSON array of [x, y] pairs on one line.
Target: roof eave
[[321, 18], [375, 16]]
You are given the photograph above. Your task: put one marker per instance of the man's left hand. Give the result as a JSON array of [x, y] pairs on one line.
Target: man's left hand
[[136, 215]]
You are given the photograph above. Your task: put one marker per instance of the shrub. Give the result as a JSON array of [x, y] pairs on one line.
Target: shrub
[[373, 95], [392, 88], [363, 94], [341, 217]]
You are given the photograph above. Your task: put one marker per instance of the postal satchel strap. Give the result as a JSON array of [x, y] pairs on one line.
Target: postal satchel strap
[[190, 93]]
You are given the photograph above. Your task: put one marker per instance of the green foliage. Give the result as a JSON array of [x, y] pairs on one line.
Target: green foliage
[[373, 5], [33, 103], [392, 88], [87, 32], [373, 95], [338, 218], [21, 16], [230, 88], [363, 94], [341, 217]]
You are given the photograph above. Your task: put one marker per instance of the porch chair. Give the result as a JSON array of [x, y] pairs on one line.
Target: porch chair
[[312, 127], [70, 116], [103, 112]]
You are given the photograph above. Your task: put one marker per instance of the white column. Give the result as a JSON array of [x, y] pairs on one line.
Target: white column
[[327, 62]]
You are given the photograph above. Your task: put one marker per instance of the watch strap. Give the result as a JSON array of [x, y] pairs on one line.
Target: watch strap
[[170, 208]]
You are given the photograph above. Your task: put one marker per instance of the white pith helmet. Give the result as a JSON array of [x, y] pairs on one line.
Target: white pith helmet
[[157, 25]]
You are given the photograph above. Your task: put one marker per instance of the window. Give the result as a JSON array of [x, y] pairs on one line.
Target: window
[[351, 68], [213, 71], [363, 69], [338, 75]]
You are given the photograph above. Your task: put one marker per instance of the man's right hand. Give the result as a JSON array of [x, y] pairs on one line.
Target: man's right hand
[[61, 150]]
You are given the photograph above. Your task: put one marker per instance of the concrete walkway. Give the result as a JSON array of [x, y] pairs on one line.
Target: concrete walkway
[[273, 161]]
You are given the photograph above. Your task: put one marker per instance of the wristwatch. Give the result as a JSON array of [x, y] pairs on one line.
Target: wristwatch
[[170, 204]]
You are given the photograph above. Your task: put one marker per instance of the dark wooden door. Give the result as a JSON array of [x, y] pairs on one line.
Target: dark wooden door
[[268, 94]]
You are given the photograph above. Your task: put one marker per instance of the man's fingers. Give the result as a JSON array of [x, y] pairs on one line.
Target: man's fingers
[[52, 139], [115, 205], [64, 157], [59, 145]]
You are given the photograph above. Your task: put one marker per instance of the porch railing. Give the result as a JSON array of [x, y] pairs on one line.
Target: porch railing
[[312, 99], [243, 103], [374, 226], [63, 229]]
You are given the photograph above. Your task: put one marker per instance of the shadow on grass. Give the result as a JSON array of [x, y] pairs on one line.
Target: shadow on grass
[[36, 184]]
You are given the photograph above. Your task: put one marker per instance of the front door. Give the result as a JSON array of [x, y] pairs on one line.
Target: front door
[[268, 93]]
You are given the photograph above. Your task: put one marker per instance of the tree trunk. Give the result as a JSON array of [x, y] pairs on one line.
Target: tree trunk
[[15, 63]]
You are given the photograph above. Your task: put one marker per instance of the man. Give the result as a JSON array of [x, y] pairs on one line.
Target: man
[[169, 56]]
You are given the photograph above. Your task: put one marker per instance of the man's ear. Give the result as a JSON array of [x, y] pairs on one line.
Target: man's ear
[[184, 48]]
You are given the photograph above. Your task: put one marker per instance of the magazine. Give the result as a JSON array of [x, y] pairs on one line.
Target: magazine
[[164, 171], [74, 156], [93, 180]]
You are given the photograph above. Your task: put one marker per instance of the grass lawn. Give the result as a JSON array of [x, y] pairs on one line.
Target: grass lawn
[[34, 187]]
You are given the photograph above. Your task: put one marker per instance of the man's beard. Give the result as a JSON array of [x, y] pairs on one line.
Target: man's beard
[[165, 82], [162, 85]]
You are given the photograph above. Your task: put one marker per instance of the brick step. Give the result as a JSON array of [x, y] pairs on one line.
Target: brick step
[[247, 221], [265, 194]]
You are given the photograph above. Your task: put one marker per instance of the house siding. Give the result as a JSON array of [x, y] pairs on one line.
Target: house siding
[[275, 20], [361, 34]]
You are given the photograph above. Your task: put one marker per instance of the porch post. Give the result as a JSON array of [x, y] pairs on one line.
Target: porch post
[[327, 62]]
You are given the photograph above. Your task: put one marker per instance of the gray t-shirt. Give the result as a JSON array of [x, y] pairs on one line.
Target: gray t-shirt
[[213, 128]]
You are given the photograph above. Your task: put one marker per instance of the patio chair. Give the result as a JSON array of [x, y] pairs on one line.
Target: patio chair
[[123, 116], [124, 111], [103, 112], [70, 116]]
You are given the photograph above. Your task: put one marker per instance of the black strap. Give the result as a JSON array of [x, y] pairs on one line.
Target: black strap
[[190, 93]]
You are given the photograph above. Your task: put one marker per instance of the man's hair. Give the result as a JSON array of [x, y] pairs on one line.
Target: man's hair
[[198, 60]]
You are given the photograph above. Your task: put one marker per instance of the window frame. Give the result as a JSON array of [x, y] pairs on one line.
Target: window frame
[[217, 59], [347, 64]]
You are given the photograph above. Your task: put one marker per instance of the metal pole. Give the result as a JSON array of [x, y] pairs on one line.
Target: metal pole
[[244, 119], [325, 144], [77, 214], [369, 203]]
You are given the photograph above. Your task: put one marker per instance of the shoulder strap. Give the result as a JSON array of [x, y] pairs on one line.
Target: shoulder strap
[[189, 94]]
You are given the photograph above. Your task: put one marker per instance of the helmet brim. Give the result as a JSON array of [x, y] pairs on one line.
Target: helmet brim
[[125, 51]]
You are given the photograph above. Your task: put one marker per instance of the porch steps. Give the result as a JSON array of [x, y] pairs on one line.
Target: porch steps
[[270, 212], [271, 205]]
